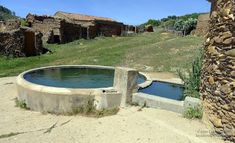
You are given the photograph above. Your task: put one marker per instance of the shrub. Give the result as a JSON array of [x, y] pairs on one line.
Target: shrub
[[186, 26], [21, 104], [153, 22], [179, 25], [90, 110], [192, 81], [23, 22], [193, 113], [189, 25]]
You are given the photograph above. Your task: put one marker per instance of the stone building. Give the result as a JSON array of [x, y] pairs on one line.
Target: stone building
[[93, 26], [20, 43], [202, 25], [218, 72], [9, 25], [54, 30]]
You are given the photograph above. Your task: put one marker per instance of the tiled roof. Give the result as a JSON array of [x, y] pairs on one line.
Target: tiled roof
[[84, 17]]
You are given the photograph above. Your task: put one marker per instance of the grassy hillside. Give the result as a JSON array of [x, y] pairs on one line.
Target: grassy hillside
[[6, 14], [147, 52]]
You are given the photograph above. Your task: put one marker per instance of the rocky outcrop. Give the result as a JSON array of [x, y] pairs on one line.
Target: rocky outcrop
[[20, 43], [218, 72], [202, 25]]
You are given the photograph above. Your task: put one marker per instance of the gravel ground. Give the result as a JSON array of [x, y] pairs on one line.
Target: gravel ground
[[129, 125]]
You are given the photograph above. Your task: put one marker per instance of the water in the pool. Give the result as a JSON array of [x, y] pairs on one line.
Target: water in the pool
[[163, 89], [74, 77]]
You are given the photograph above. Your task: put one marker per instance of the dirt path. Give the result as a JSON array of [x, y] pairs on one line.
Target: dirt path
[[129, 125]]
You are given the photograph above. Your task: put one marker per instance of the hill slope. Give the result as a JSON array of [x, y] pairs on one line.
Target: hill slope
[[147, 52], [6, 14]]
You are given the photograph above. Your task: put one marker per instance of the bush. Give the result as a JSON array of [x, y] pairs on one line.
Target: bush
[[192, 81], [153, 22], [179, 25], [21, 104], [193, 113], [189, 25], [90, 111], [24, 23], [186, 26]]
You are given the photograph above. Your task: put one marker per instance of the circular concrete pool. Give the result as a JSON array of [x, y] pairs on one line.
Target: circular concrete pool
[[60, 89]]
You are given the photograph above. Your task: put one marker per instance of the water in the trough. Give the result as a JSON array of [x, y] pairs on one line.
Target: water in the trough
[[74, 77], [163, 89]]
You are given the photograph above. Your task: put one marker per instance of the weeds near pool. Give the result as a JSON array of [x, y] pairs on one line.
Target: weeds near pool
[[90, 110], [143, 106], [192, 81], [193, 113], [134, 104], [21, 104]]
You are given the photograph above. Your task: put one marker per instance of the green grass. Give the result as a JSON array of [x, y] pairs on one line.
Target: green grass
[[194, 113], [21, 104], [90, 110], [161, 51]]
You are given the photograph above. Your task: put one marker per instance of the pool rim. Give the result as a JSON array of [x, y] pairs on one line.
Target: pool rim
[[21, 81]]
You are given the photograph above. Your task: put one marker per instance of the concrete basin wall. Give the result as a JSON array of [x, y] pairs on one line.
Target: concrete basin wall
[[65, 100], [54, 99]]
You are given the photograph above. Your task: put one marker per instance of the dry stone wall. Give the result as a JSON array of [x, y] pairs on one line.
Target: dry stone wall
[[13, 43], [109, 28], [218, 72], [48, 26], [55, 30], [202, 25], [69, 31], [9, 25]]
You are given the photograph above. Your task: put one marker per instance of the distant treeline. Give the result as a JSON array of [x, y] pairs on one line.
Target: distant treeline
[[184, 24], [6, 13]]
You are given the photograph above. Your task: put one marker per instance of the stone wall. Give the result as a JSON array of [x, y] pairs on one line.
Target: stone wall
[[202, 25], [109, 28], [218, 72], [69, 32], [13, 43], [9, 25], [48, 26], [55, 30]]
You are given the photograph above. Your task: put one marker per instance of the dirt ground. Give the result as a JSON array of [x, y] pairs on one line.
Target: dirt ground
[[128, 126]]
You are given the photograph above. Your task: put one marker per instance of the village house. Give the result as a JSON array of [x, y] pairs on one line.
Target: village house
[[67, 27], [93, 26], [54, 30]]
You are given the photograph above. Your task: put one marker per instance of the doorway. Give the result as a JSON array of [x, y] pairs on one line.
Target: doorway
[[29, 41]]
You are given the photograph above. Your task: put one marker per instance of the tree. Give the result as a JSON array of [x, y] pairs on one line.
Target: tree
[[153, 22]]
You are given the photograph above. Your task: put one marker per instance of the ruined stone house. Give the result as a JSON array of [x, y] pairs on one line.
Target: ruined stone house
[[54, 30], [9, 25], [131, 29], [93, 26], [21, 42]]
